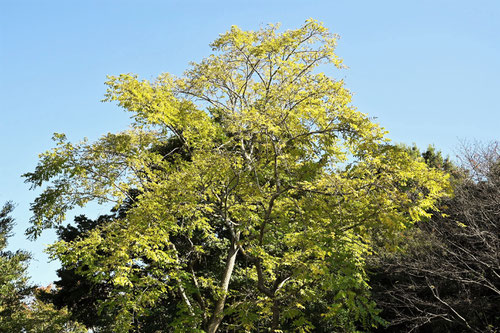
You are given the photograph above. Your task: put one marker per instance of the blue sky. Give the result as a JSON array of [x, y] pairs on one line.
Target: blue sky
[[429, 71]]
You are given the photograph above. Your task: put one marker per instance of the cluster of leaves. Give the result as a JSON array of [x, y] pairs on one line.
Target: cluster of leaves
[[254, 192]]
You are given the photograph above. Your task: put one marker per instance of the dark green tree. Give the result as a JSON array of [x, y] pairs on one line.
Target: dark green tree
[[21, 310], [14, 284]]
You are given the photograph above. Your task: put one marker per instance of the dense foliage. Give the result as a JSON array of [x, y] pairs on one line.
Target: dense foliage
[[259, 191]]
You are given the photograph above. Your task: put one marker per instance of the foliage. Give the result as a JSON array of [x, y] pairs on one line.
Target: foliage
[[42, 317], [17, 312], [267, 200], [76, 292], [83, 298], [13, 280], [448, 278]]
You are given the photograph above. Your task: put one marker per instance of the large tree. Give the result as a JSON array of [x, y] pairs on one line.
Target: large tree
[[267, 203]]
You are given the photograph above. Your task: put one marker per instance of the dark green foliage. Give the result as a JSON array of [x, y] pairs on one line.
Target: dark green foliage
[[14, 286], [21, 309]]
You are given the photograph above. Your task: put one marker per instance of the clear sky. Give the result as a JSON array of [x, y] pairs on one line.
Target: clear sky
[[429, 71]]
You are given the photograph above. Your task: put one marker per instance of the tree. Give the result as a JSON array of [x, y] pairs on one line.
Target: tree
[[448, 279], [17, 312], [267, 202], [14, 285]]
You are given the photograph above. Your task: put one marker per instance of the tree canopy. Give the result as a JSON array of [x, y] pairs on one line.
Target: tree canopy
[[258, 191]]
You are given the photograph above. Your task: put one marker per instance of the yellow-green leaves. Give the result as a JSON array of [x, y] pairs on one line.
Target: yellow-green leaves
[[157, 106], [249, 180]]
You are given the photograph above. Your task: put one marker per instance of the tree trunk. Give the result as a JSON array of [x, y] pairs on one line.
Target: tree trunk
[[276, 316], [217, 315]]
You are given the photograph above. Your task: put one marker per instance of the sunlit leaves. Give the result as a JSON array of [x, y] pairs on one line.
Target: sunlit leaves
[[252, 151]]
